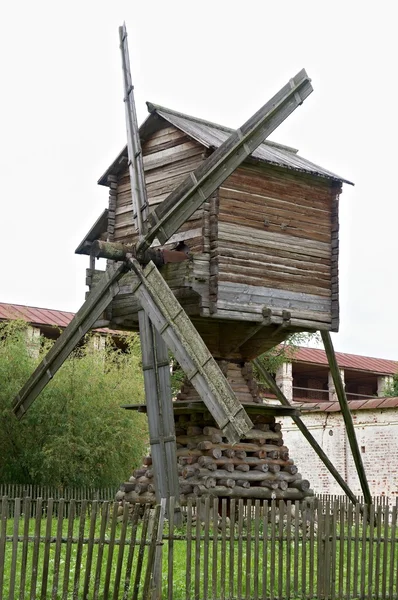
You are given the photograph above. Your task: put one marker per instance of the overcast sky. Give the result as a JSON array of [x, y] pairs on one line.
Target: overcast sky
[[62, 124]]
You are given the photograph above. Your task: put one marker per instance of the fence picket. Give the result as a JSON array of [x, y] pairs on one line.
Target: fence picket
[[58, 546], [130, 557], [25, 547], [68, 550], [188, 562], [79, 549], [256, 557], [44, 577], [265, 549], [122, 543], [13, 569], [100, 551], [171, 546], [214, 549], [378, 548], [392, 552], [111, 546], [36, 548], [141, 551]]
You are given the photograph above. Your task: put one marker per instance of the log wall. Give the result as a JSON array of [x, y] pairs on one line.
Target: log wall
[[275, 232]]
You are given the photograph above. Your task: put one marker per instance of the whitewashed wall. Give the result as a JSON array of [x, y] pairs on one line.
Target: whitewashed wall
[[377, 434]]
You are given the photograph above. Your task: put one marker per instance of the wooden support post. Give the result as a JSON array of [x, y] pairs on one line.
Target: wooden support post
[[155, 364], [345, 410], [305, 431]]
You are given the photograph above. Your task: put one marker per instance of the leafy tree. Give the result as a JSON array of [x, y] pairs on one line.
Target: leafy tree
[[392, 389], [275, 357], [75, 433]]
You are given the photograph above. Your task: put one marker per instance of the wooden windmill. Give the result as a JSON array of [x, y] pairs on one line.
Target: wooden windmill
[[219, 247]]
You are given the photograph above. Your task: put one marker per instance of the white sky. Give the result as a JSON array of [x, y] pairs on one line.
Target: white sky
[[62, 124]]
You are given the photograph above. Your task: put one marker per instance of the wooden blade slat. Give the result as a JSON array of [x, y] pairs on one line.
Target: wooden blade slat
[[84, 319], [168, 217], [177, 330]]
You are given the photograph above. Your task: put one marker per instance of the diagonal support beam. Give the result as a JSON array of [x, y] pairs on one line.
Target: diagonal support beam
[[168, 217], [177, 330], [81, 323], [345, 410], [305, 431]]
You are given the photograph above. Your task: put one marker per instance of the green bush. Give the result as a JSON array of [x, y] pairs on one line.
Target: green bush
[[75, 433]]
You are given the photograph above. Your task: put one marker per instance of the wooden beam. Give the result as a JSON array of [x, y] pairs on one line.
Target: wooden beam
[[94, 306], [177, 330], [167, 218], [156, 367], [305, 431], [154, 351], [345, 411]]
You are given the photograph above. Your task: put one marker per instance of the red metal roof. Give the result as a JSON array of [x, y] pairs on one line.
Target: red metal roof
[[347, 361], [39, 316], [369, 404], [34, 315]]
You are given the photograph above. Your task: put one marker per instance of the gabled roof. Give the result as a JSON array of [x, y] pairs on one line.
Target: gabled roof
[[212, 135], [316, 356]]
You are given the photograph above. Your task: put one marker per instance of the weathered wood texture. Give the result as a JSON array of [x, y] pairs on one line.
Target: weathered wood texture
[[275, 233], [267, 238], [169, 156]]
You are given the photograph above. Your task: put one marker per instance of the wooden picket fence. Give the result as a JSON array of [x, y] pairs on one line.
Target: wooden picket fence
[[325, 549]]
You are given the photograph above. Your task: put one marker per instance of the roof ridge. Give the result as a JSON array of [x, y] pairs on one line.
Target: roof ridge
[[154, 108]]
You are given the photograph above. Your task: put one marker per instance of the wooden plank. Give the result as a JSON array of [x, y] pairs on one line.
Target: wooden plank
[[175, 210], [133, 536], [91, 310], [206, 549], [136, 170], [141, 552], [156, 369], [36, 549], [188, 563], [14, 554], [90, 548], [232, 525], [48, 532], [25, 546], [3, 536], [120, 556], [100, 551], [177, 330], [111, 547], [392, 584], [345, 410]]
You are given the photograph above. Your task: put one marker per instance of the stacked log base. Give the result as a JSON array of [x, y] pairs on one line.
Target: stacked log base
[[257, 467]]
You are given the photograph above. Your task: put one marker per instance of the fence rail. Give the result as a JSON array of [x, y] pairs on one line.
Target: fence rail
[[227, 549]]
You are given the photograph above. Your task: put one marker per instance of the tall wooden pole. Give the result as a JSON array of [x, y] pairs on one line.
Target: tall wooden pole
[[345, 410], [154, 350], [305, 431]]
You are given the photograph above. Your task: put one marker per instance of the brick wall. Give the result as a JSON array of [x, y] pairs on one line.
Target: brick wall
[[377, 434]]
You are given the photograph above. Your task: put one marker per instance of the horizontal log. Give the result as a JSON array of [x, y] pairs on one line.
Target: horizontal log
[[243, 483], [252, 492], [118, 252], [227, 482]]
